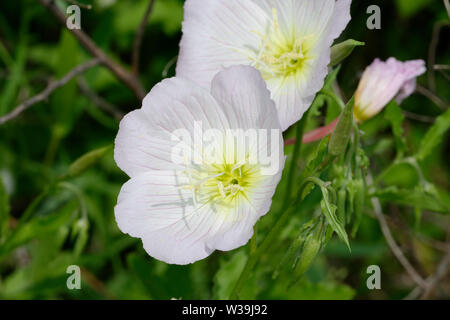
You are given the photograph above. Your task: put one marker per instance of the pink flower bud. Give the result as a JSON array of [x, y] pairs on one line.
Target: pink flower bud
[[382, 81]]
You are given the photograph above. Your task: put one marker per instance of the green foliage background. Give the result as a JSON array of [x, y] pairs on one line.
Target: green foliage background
[[44, 229]]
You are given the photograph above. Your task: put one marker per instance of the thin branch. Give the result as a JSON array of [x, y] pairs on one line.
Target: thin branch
[[418, 117], [96, 284], [433, 97], [441, 271], [138, 39], [432, 53], [434, 280], [49, 90], [415, 276], [120, 72], [441, 67], [99, 101], [436, 244]]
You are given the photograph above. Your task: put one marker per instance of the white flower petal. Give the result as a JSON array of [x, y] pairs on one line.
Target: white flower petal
[[245, 99], [341, 17], [183, 213], [217, 34], [152, 207], [239, 233], [304, 17], [323, 20], [256, 207], [221, 33], [144, 141]]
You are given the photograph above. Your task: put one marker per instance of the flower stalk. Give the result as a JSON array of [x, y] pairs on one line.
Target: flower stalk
[[285, 213]]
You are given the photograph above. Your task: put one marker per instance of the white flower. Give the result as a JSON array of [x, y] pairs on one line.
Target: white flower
[[382, 81], [183, 210], [287, 40]]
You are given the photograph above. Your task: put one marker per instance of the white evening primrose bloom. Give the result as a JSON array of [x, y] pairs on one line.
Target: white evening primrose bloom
[[288, 41], [184, 198], [383, 81]]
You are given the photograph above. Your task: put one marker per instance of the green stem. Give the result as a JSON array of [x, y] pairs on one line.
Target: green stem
[[274, 232], [267, 242], [34, 204], [333, 96], [253, 243], [296, 154]]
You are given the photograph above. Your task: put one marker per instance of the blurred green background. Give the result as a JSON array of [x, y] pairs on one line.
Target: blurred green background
[[75, 225]]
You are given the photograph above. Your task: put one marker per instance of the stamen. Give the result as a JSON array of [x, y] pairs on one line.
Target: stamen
[[221, 189], [278, 56], [275, 18], [215, 187]]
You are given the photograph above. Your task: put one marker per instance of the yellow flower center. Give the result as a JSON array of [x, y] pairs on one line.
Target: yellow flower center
[[222, 185], [280, 55]]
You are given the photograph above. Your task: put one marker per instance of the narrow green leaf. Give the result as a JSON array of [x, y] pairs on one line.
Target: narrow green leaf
[[395, 116], [310, 249], [80, 230], [16, 75], [342, 50], [317, 159], [341, 134], [290, 257], [4, 209], [86, 161], [434, 135], [422, 198], [358, 204], [329, 211], [38, 227], [341, 204]]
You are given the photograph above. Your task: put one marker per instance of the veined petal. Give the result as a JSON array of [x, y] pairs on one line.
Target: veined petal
[[288, 41], [141, 146], [341, 17], [218, 34], [245, 99], [304, 17], [152, 207], [183, 212], [146, 137], [238, 233]]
